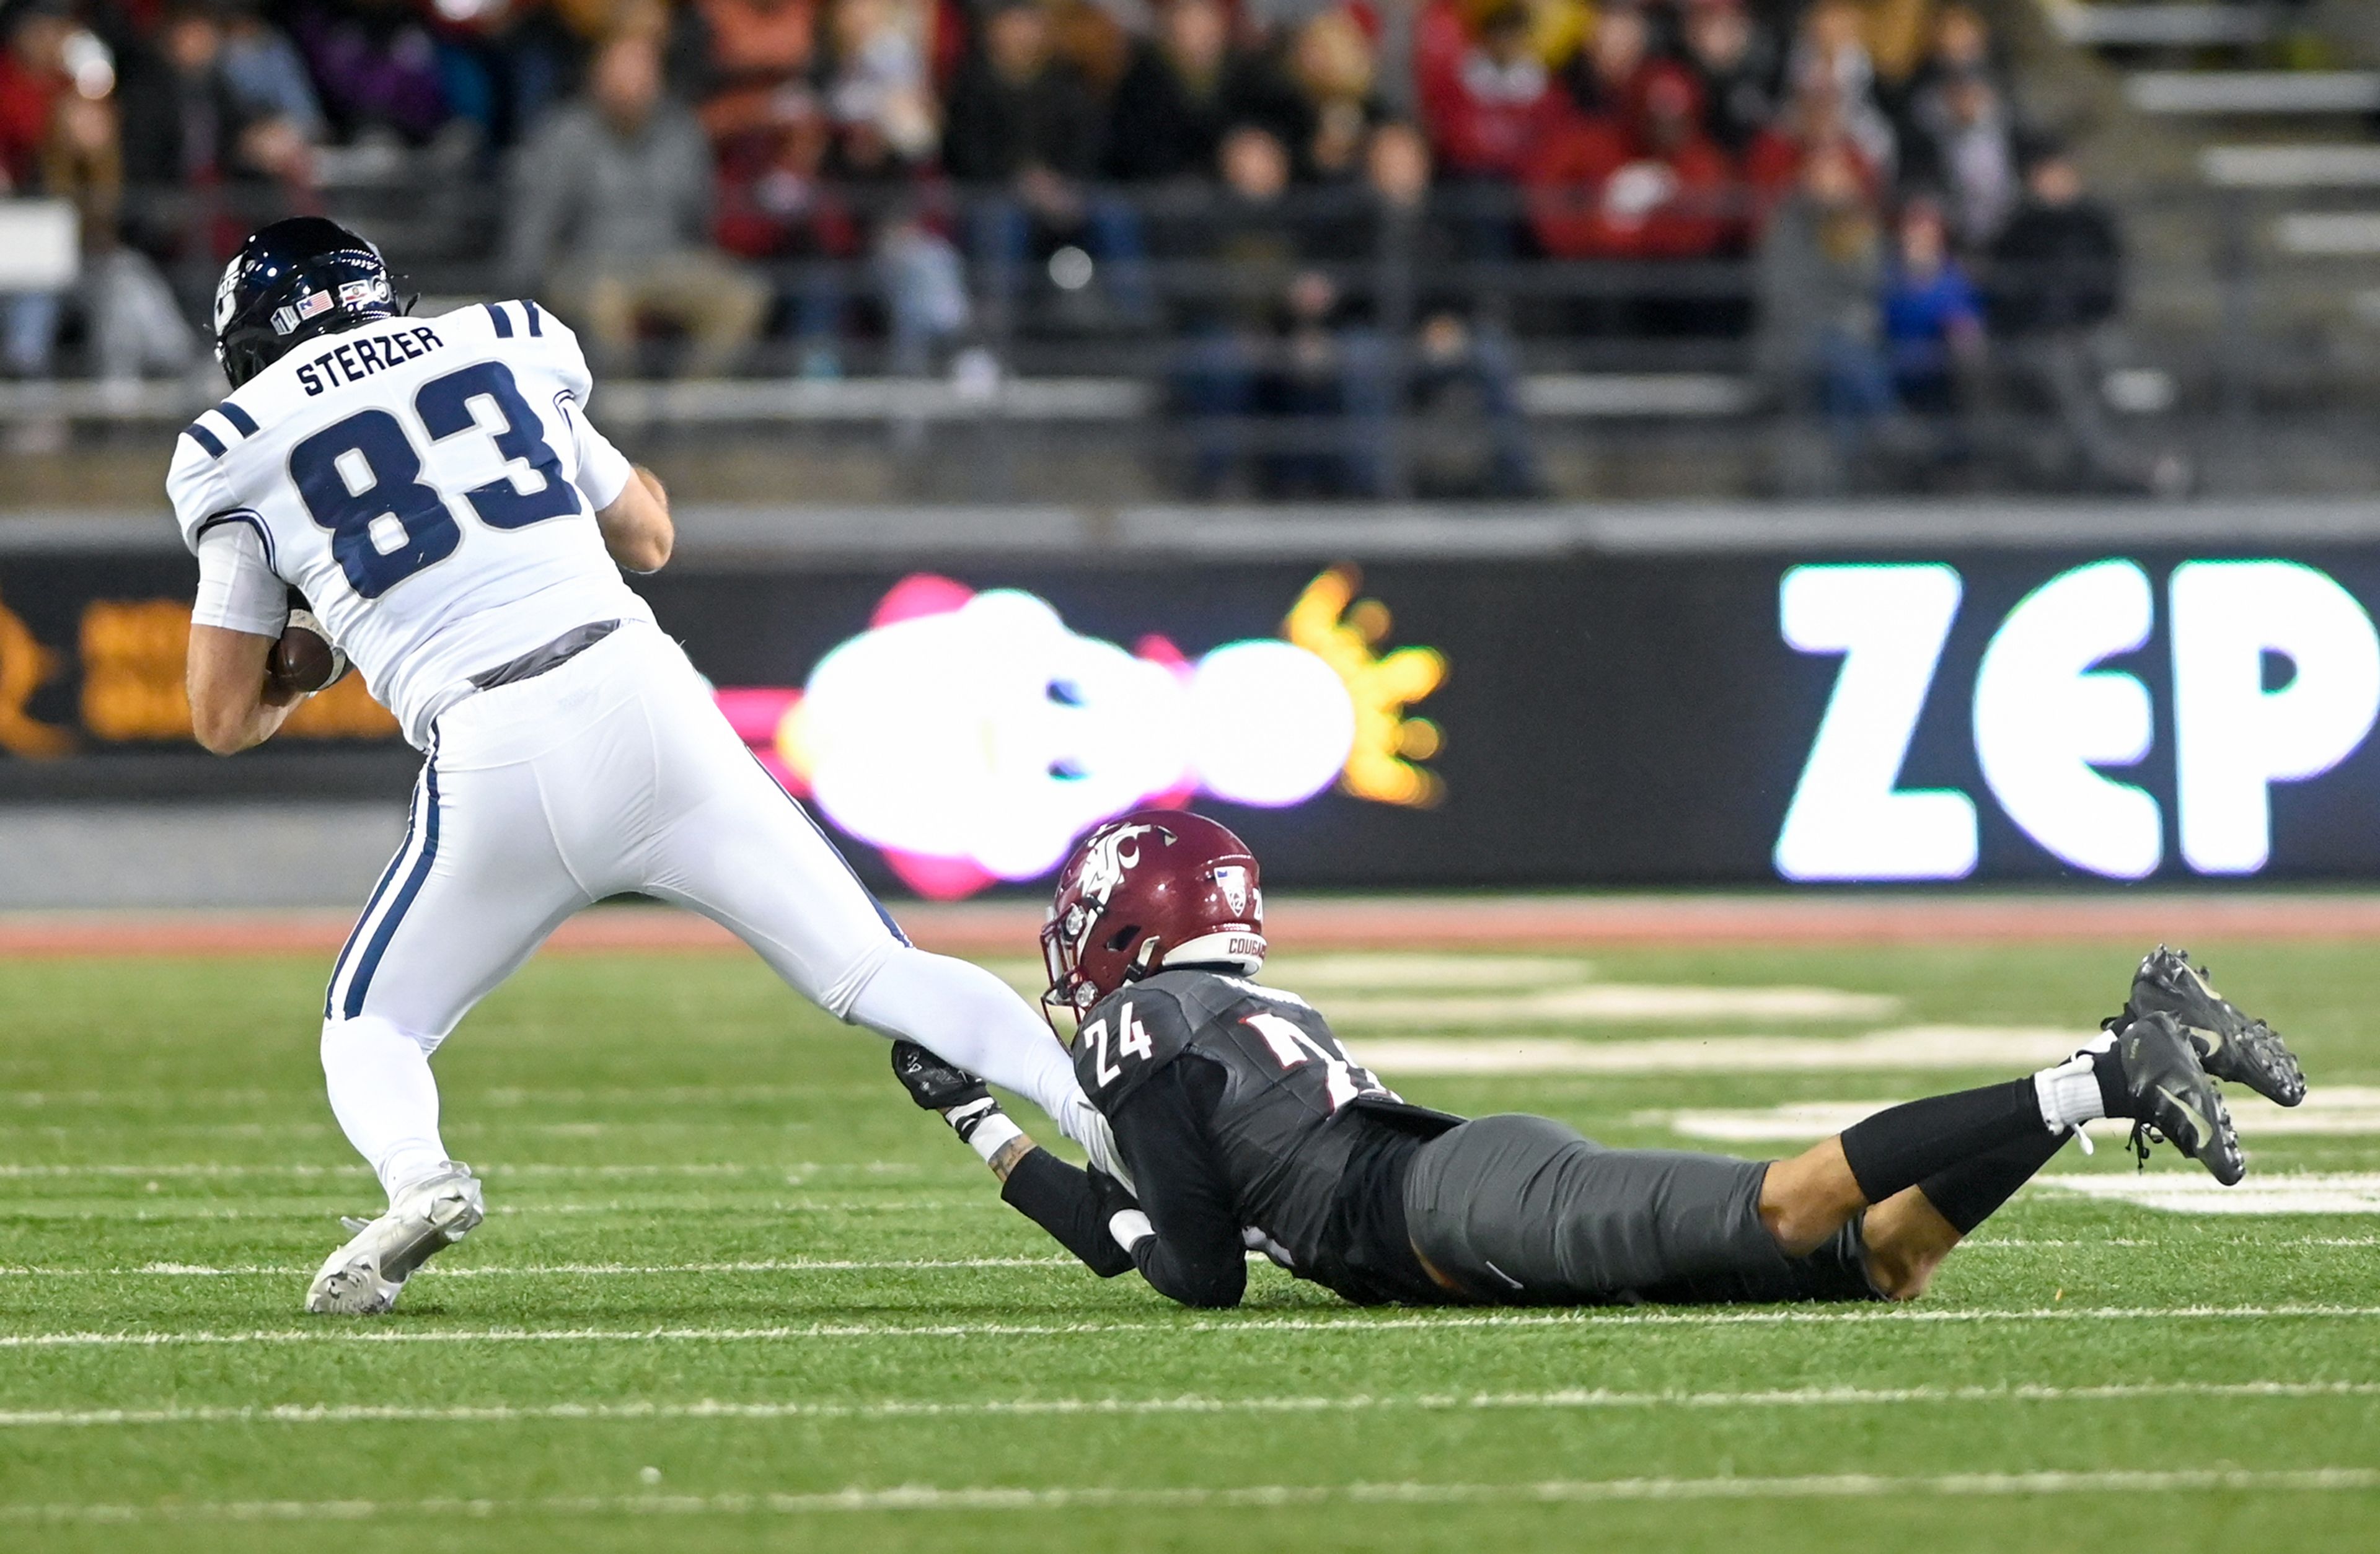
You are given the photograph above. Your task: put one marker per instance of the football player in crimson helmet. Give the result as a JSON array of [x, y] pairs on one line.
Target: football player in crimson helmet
[[1245, 1125], [1199, 902]]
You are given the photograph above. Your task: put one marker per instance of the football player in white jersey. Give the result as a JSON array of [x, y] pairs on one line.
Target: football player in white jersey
[[435, 489]]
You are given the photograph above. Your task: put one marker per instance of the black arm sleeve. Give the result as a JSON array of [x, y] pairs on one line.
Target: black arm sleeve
[[1060, 1198], [1196, 1257]]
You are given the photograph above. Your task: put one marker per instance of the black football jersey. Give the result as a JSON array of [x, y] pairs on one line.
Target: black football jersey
[[1297, 1113]]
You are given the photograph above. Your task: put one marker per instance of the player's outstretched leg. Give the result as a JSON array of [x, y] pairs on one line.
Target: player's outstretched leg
[[366, 1276], [2230, 1045], [975, 1022], [1977, 1147]]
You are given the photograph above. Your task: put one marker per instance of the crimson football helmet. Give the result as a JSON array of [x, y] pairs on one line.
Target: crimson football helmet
[[1144, 890]]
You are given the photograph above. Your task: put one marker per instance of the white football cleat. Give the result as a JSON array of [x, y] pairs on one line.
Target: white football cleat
[[366, 1276]]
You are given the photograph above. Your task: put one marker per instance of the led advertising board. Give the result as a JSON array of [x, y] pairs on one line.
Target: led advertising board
[[1985, 714]]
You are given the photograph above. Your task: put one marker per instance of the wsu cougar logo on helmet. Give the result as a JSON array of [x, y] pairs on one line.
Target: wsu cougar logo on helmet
[[1108, 855], [1148, 890]]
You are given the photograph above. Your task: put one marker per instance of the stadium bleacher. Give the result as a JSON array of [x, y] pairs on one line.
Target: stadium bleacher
[[1254, 240]]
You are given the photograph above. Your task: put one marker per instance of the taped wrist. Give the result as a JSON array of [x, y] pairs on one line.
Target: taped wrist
[[1130, 1227], [982, 1126]]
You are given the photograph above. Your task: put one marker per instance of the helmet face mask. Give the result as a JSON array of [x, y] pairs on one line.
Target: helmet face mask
[[1153, 887], [292, 282]]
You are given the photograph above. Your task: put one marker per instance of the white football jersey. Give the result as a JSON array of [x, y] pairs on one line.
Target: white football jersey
[[429, 485]]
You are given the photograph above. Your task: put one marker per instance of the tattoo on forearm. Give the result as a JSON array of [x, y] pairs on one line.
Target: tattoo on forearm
[[1004, 1159]]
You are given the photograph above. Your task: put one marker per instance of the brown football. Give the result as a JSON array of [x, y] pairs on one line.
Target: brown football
[[302, 660]]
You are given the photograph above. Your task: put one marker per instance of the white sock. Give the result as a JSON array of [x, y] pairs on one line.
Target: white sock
[[385, 1098], [2069, 1092]]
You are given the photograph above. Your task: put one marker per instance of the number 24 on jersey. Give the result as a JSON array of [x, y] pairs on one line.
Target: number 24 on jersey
[[1131, 1039]]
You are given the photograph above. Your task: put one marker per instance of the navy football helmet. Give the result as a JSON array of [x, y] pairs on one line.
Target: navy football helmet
[[292, 281]]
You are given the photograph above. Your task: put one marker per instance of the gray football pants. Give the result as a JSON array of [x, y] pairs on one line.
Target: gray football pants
[[1522, 1211]]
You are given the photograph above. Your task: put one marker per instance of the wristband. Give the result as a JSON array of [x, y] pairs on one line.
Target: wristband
[[1130, 1227]]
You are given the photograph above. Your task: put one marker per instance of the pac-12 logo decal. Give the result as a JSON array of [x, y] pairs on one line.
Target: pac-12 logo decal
[[1111, 852], [1233, 881]]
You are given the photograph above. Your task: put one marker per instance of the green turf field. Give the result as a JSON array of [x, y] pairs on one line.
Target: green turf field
[[733, 1291]]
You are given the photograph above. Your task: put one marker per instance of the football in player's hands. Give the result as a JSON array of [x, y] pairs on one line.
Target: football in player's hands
[[303, 659]]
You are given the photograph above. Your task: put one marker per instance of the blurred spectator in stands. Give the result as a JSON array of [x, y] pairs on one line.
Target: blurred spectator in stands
[[885, 138], [1895, 34], [878, 82], [611, 206], [265, 73], [1812, 123], [1468, 437], [1331, 66], [188, 123], [1818, 344], [1023, 132], [758, 54], [769, 133], [1649, 184], [192, 117], [377, 68], [1933, 331], [1277, 347], [1087, 35], [1964, 144], [37, 90], [1736, 59], [1184, 87], [1487, 107], [1961, 45], [31, 44], [1830, 55], [1607, 78], [2056, 285], [59, 138], [2058, 265], [501, 62]]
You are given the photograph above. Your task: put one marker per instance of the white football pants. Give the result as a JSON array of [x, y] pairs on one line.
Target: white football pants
[[615, 772]]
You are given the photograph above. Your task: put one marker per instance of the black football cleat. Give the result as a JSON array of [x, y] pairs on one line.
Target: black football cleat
[[931, 1083], [2172, 1097], [2230, 1045]]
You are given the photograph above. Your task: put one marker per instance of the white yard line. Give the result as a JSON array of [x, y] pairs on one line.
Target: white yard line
[[165, 1211], [791, 1171], [2015, 1048], [1614, 1003], [1581, 1319], [134, 1171], [2027, 1243], [2177, 1192], [889, 1265], [1569, 1399], [2332, 1111], [442, 1270], [495, 1095], [1099, 1496]]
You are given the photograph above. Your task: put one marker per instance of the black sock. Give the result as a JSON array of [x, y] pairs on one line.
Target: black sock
[[1902, 1145], [1971, 1191]]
